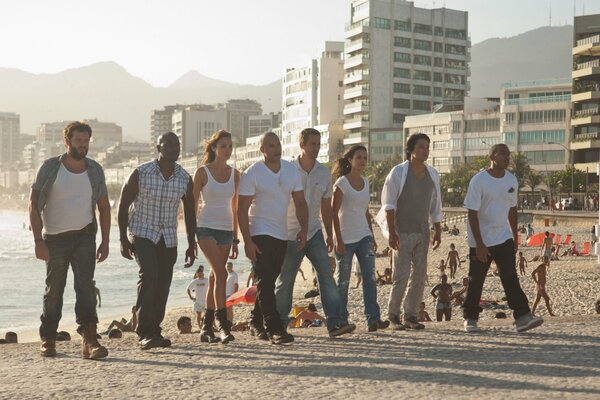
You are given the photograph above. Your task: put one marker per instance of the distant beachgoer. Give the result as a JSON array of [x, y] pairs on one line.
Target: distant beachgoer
[[522, 263], [11, 337], [307, 317], [97, 294], [442, 267], [445, 228], [547, 247], [148, 210], [411, 200], [522, 229], [442, 292], [530, 231], [352, 224], [184, 324], [492, 230], [316, 182], [453, 260], [266, 188], [597, 307], [64, 195], [539, 277], [115, 334], [459, 297], [125, 325], [196, 291], [215, 189], [386, 278], [455, 231], [231, 286], [423, 315]]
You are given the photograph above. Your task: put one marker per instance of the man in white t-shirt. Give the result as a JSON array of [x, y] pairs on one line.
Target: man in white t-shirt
[[264, 194], [492, 230], [231, 286], [196, 291]]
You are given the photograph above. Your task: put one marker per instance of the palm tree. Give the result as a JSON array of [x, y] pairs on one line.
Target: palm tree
[[533, 179], [519, 166]]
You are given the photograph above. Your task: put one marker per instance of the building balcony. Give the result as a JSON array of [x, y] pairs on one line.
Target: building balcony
[[355, 61], [357, 107], [355, 45], [356, 138], [591, 95], [586, 69], [356, 123], [589, 46], [356, 77], [585, 141], [356, 92], [357, 29], [586, 117]]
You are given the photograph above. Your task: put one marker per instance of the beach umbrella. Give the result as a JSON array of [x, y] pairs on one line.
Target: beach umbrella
[[246, 295]]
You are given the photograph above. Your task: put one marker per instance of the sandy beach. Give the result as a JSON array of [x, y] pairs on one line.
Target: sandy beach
[[557, 360]]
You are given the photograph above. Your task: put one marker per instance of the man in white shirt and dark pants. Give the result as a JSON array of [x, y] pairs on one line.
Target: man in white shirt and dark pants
[[231, 286], [264, 195], [492, 231]]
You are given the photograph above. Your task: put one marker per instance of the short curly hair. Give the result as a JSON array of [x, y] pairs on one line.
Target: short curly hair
[[76, 126]]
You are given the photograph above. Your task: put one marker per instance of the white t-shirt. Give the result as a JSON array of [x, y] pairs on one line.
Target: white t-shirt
[[232, 280], [69, 205], [492, 198], [272, 192], [199, 287], [353, 221]]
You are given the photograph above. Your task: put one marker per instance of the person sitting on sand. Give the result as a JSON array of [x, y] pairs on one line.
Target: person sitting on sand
[[522, 229], [386, 278], [573, 249], [423, 315], [539, 277], [310, 314], [453, 260], [522, 262], [459, 297], [184, 324], [555, 250], [442, 292], [547, 248], [445, 228], [124, 325], [454, 231]]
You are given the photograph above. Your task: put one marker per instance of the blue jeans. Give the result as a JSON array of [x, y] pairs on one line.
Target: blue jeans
[[316, 251], [79, 250], [365, 254]]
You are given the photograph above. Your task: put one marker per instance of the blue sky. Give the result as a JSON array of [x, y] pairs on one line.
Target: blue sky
[[245, 41]]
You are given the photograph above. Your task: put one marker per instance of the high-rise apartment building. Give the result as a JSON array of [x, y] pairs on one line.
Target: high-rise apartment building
[[194, 124], [10, 127], [238, 112], [585, 119], [259, 124], [161, 122], [401, 60]]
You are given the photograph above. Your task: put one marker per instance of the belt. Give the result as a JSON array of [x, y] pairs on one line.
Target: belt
[[89, 228]]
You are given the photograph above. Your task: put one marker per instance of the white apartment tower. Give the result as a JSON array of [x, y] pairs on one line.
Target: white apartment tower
[[401, 60], [9, 137]]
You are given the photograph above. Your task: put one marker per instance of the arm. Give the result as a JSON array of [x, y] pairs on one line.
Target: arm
[[435, 288], [190, 225], [394, 240], [437, 236], [370, 222], [236, 287], [534, 274], [335, 208], [481, 251], [427, 317], [35, 220], [327, 217], [302, 216], [512, 220], [190, 295], [234, 207], [250, 248], [436, 211], [104, 211], [389, 198]]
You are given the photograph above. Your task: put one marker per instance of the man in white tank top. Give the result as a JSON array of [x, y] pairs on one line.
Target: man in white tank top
[[66, 191]]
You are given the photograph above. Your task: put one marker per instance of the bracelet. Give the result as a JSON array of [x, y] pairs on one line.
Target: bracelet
[[236, 241], [38, 240]]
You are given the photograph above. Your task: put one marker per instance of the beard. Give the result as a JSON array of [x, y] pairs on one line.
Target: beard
[[72, 151]]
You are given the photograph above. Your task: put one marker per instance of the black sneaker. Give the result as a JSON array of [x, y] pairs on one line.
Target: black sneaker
[[163, 341], [281, 337], [397, 324], [378, 325], [412, 323], [258, 333], [150, 343], [342, 330]]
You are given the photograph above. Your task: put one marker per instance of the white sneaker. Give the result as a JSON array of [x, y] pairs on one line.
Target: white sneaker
[[527, 322], [471, 326]]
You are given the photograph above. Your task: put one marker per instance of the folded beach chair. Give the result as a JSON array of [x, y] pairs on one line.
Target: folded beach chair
[[557, 240], [585, 251], [568, 240]]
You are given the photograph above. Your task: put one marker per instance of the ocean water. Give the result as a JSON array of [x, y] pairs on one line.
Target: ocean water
[[22, 278]]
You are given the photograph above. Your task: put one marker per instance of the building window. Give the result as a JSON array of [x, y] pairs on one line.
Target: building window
[[422, 45], [440, 145], [542, 116], [437, 92], [454, 93], [455, 79], [437, 62], [482, 143], [545, 157], [399, 118], [438, 48], [402, 103], [402, 57], [437, 76], [381, 23], [456, 126], [421, 105], [421, 90], [422, 28], [422, 75], [400, 41], [509, 118], [438, 31], [509, 137], [455, 64], [482, 125], [402, 26], [402, 88], [456, 33], [401, 73], [535, 137], [455, 49], [422, 60]]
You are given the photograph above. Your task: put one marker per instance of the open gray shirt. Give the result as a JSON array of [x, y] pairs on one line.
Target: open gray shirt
[[412, 208]]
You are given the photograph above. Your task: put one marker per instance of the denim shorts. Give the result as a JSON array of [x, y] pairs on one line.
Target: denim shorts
[[221, 237]]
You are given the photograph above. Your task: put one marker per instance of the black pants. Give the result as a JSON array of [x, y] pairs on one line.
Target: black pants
[[504, 256], [155, 263], [266, 270]]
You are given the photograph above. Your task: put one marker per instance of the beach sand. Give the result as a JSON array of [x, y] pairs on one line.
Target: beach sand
[[557, 360]]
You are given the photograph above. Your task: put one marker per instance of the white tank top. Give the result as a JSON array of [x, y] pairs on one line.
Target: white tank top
[[215, 209]]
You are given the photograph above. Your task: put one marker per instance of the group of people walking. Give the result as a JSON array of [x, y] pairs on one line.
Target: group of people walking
[[285, 211]]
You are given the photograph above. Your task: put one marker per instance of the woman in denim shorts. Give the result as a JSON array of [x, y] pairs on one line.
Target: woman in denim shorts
[[215, 193]]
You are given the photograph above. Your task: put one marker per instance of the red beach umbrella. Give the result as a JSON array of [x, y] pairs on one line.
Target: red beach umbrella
[[246, 295]]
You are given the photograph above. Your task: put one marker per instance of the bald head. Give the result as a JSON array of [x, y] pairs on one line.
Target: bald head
[[266, 136]]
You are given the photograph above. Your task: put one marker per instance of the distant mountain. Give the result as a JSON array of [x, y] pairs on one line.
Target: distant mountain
[[542, 53], [108, 92]]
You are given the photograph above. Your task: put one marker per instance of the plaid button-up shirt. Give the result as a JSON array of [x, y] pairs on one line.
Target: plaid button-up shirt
[[154, 211]]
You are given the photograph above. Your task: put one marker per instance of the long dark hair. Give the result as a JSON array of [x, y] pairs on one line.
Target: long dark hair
[[342, 166], [209, 153]]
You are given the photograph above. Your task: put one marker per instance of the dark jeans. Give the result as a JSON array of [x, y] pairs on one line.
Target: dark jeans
[[79, 250], [155, 263], [266, 270], [504, 256]]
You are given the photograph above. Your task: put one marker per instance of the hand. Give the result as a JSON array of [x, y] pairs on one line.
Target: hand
[[329, 243], [340, 248], [301, 240], [516, 247], [41, 251], [102, 251], [234, 251], [394, 241], [127, 250], [482, 253], [190, 255], [437, 239], [374, 245], [251, 250]]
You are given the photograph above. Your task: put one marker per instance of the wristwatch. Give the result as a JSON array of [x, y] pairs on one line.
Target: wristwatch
[[236, 241]]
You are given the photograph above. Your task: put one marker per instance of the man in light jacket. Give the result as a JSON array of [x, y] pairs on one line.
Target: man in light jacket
[[410, 200]]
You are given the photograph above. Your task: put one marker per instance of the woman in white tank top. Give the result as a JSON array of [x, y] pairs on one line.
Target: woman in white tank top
[[215, 191]]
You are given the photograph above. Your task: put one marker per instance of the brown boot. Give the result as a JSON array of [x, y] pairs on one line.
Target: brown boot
[[90, 347], [48, 348]]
